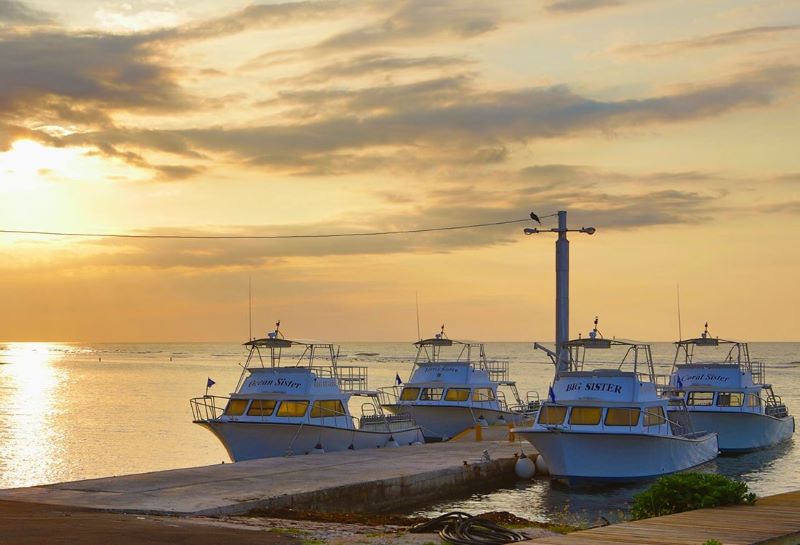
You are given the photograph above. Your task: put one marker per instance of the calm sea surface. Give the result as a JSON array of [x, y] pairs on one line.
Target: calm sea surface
[[76, 411]]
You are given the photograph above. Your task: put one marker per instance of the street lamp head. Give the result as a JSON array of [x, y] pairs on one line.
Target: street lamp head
[[588, 230], [529, 231]]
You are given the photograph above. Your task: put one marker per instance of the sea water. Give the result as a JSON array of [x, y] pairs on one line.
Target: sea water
[[76, 411]]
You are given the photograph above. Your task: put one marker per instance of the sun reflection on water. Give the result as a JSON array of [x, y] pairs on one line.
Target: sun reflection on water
[[29, 388]]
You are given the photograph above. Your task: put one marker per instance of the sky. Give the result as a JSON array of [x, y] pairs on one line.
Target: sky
[[670, 127]]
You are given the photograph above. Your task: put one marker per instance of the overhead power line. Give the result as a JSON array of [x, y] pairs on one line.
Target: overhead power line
[[260, 237]]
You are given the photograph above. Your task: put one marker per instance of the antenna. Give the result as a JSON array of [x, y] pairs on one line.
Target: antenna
[[250, 308], [680, 335], [416, 298]]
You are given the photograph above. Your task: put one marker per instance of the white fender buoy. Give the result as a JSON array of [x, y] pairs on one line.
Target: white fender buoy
[[481, 421], [524, 468], [541, 466], [318, 449], [391, 443]]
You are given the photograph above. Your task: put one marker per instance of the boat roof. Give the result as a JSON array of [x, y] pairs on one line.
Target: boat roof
[[590, 343], [276, 342], [435, 341], [705, 341]]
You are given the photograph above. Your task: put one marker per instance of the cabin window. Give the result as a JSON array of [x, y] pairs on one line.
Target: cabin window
[[323, 408], [702, 399], [431, 394], [730, 399], [654, 416], [262, 407], [552, 414], [409, 394], [627, 416], [235, 407], [482, 394], [585, 416], [293, 408], [753, 400], [457, 394]]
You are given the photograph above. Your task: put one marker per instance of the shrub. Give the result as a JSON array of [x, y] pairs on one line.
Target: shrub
[[688, 491]]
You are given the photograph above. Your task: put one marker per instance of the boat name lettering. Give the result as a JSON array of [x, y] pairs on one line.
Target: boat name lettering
[[707, 376], [277, 382], [595, 387], [443, 369]]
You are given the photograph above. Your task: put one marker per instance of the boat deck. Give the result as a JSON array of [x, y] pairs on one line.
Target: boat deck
[[364, 480], [774, 520]]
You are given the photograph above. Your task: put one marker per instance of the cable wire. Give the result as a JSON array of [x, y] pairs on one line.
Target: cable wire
[[461, 528], [260, 237]]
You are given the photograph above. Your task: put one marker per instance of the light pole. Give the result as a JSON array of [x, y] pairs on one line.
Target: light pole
[[561, 357]]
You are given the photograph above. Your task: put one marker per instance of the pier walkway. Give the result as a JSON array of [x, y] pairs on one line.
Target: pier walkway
[[362, 480], [772, 520]]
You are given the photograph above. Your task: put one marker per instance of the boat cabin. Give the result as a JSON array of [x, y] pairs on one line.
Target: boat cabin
[[297, 382], [619, 398], [715, 374], [448, 372]]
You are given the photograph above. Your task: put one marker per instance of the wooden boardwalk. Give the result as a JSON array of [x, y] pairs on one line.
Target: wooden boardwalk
[[773, 520]]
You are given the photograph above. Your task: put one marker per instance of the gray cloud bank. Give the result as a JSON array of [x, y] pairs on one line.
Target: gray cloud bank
[[447, 119]]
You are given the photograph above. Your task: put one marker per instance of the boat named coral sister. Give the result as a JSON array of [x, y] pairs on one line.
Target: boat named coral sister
[[299, 408], [610, 424], [726, 392]]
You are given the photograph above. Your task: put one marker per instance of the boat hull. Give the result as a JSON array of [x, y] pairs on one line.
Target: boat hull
[[582, 457], [252, 440], [441, 422], [742, 431]]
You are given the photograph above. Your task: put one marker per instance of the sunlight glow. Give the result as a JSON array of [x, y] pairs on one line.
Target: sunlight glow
[[27, 162], [28, 438]]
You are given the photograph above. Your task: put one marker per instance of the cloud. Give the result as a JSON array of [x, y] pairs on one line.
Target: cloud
[[410, 22], [581, 189], [260, 16], [580, 6], [441, 121], [13, 12], [375, 63], [732, 37], [82, 77]]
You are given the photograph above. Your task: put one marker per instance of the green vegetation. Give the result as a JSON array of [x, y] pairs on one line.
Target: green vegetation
[[688, 491], [712, 542]]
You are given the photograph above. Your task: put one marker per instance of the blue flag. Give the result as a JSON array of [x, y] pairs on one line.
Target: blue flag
[[397, 379], [551, 395], [210, 383]]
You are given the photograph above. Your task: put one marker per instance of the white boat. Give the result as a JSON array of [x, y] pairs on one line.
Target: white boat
[[452, 392], [610, 425], [301, 408], [725, 392]]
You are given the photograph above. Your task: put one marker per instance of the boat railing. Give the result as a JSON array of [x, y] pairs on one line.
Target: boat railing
[[323, 371], [498, 370], [208, 407], [774, 405], [501, 400], [757, 370], [662, 382], [389, 395], [351, 378], [532, 402]]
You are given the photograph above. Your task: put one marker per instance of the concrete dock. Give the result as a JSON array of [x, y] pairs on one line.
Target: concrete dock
[[363, 480]]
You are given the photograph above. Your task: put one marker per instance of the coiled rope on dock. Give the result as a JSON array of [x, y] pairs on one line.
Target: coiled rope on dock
[[461, 528]]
